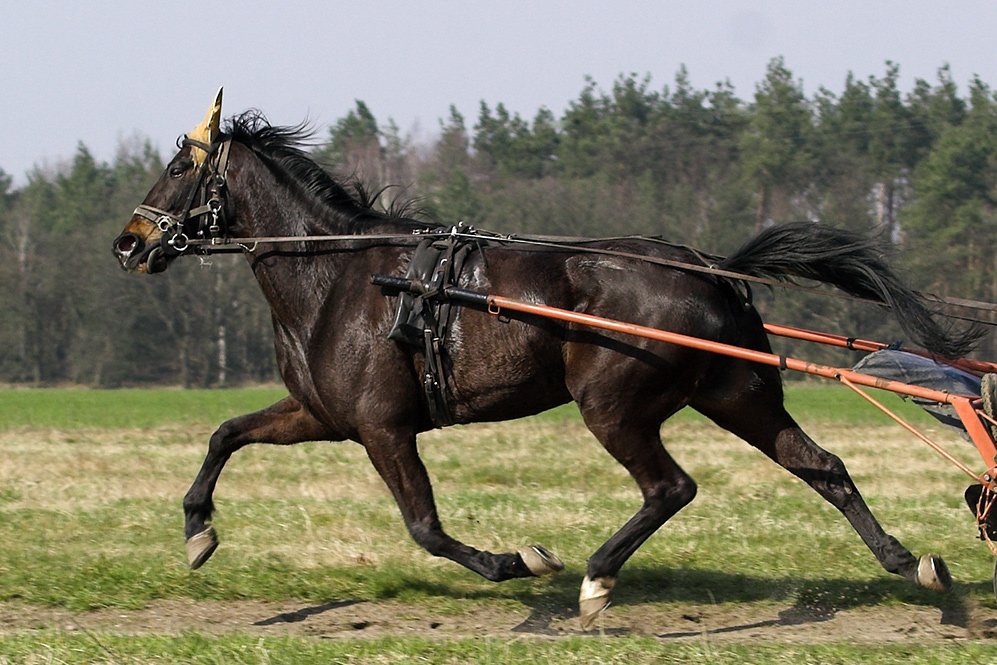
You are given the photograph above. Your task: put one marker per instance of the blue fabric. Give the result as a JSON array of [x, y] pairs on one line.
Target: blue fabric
[[923, 372]]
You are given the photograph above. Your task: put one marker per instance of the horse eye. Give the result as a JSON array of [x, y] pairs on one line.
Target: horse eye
[[177, 170]]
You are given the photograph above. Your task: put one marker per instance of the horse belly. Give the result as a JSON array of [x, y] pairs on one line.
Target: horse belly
[[505, 368]]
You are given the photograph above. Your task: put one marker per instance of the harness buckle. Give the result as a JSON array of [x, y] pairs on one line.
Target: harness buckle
[[214, 229]]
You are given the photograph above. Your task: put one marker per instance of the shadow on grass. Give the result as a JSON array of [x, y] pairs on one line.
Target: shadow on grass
[[552, 600], [305, 612], [809, 600]]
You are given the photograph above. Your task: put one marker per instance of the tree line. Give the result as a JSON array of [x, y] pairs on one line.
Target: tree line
[[700, 167]]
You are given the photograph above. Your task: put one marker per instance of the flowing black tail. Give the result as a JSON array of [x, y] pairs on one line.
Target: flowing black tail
[[854, 264]]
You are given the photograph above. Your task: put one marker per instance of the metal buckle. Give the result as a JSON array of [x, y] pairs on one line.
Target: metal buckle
[[179, 242]]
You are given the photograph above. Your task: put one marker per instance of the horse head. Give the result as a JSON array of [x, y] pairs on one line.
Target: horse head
[[186, 202]]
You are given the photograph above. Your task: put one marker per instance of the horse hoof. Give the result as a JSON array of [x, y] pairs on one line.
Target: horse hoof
[[200, 547], [593, 599], [540, 560], [932, 573]]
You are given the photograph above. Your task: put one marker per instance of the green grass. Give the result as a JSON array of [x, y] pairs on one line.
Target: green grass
[[80, 408], [73, 409], [90, 518], [237, 649]]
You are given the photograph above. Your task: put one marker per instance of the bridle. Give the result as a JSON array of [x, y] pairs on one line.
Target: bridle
[[177, 230]]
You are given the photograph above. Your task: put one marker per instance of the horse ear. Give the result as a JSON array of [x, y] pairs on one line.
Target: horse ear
[[207, 131]]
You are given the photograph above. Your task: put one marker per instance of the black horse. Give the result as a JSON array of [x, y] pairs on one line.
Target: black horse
[[347, 380]]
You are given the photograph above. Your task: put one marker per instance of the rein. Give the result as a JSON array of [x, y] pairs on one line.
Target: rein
[[211, 237], [708, 266]]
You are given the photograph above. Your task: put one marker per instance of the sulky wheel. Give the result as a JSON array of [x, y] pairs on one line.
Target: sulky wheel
[[995, 579]]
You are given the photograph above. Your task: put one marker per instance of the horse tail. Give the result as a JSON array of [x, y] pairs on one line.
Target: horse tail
[[856, 265]]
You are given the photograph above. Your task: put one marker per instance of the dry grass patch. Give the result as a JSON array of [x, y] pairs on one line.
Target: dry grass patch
[[85, 469]]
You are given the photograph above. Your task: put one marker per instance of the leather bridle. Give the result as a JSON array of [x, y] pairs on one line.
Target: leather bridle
[[178, 230]]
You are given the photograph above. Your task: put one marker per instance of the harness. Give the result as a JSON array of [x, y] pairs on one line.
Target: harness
[[423, 317]]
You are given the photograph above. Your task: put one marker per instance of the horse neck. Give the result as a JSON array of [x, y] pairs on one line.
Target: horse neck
[[267, 205], [264, 205]]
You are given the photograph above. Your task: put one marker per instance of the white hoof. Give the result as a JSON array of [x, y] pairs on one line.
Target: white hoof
[[594, 598], [932, 573], [540, 560], [200, 547]]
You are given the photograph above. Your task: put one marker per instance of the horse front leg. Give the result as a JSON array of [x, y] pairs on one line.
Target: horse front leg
[[284, 423], [396, 459]]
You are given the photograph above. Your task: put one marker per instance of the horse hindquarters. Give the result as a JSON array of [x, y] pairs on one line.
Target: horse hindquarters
[[626, 391]]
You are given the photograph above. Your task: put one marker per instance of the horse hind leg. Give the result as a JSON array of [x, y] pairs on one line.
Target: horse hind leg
[[829, 477], [759, 418], [666, 489]]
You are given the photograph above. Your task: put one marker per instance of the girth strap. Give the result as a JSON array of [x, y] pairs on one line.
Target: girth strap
[[423, 319]]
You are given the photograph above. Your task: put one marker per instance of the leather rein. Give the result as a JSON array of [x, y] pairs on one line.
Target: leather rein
[[211, 236]]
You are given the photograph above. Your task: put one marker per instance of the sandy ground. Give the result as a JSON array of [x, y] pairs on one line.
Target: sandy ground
[[366, 620]]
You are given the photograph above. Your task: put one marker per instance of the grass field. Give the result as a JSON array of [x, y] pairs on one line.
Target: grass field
[[91, 533]]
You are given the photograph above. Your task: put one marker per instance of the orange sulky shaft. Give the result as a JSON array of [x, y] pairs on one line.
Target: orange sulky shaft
[[962, 403]]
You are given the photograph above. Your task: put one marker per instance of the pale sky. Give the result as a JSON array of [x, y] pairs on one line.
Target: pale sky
[[104, 72]]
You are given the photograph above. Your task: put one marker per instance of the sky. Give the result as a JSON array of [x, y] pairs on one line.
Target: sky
[[113, 73]]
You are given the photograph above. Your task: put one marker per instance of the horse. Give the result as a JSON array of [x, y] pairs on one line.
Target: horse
[[347, 380]]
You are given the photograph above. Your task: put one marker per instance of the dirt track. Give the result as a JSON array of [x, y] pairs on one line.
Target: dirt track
[[366, 620]]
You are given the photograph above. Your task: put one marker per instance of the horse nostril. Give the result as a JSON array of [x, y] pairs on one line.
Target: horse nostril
[[125, 244]]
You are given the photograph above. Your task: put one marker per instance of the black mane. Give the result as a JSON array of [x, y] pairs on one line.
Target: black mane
[[284, 150]]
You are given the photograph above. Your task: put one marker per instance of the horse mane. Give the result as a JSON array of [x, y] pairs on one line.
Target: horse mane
[[284, 149]]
